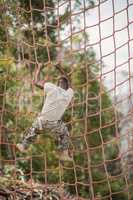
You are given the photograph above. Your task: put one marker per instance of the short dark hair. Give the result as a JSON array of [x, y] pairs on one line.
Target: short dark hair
[[65, 81]]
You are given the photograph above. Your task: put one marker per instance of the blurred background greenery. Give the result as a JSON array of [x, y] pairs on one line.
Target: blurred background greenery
[[27, 37]]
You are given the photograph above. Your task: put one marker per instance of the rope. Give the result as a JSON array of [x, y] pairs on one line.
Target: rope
[[59, 36]]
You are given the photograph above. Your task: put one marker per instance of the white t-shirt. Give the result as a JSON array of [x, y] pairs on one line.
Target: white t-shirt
[[56, 101]]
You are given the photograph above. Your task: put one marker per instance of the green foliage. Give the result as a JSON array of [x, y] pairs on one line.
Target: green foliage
[[91, 114], [101, 189], [118, 184]]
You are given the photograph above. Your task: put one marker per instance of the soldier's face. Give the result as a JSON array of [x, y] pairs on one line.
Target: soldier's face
[[62, 84]]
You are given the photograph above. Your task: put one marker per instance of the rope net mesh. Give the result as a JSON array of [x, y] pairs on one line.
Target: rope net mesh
[[81, 39]]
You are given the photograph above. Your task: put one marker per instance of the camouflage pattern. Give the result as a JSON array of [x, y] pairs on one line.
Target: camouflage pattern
[[58, 128]]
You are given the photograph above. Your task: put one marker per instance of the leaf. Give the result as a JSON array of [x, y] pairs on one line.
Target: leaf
[[6, 61]]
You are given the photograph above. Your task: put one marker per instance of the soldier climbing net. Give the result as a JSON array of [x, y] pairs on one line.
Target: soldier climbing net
[[91, 43]]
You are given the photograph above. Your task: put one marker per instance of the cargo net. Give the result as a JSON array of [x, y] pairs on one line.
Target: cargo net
[[91, 43]]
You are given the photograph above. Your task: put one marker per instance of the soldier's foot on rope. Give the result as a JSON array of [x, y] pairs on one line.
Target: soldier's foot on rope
[[64, 156], [21, 148]]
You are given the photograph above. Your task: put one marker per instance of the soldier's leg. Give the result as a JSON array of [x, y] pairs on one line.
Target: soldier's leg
[[30, 134], [63, 136]]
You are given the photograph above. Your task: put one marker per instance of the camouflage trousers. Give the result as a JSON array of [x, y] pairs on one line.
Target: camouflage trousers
[[58, 128]]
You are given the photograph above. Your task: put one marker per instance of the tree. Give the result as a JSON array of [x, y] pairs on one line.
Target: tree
[[90, 117]]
